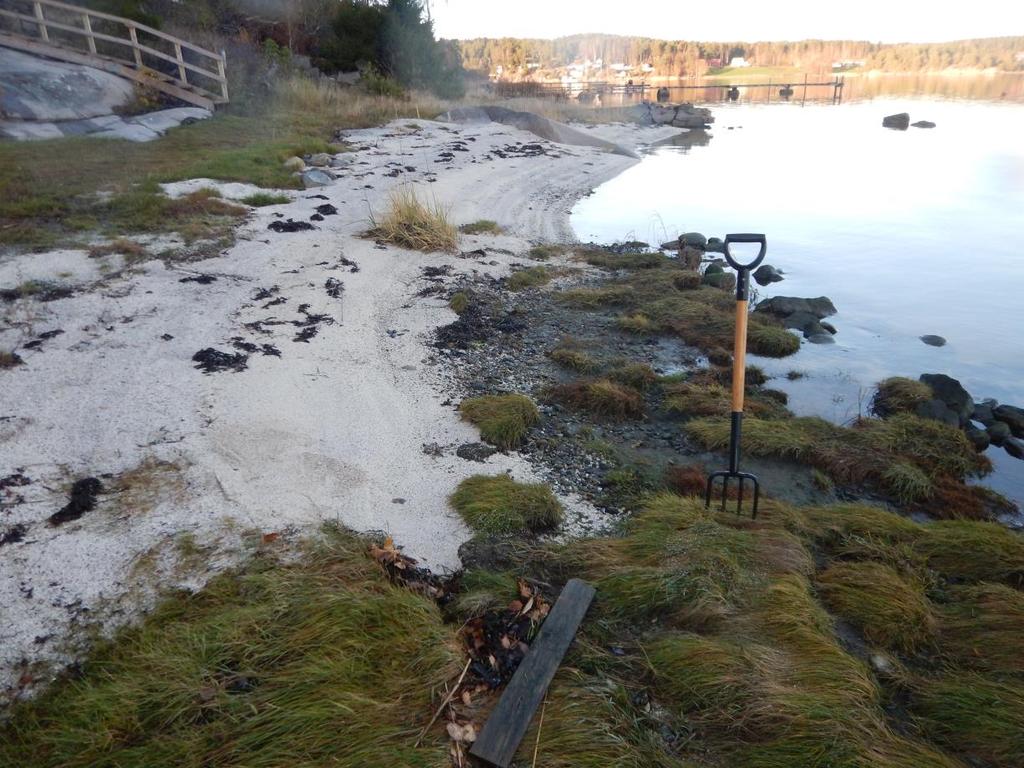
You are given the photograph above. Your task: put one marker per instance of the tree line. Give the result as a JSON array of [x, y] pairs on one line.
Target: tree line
[[681, 58]]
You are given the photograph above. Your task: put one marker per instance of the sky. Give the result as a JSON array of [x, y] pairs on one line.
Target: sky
[[741, 20]]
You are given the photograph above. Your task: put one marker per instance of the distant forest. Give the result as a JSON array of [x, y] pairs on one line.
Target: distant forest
[[680, 58]]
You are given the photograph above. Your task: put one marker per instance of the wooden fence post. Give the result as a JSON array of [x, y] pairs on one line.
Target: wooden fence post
[[38, 7], [181, 63], [223, 75], [135, 45], [87, 26]]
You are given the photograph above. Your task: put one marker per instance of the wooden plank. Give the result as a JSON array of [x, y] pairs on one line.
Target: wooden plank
[[135, 46], [505, 728], [41, 19], [87, 26]]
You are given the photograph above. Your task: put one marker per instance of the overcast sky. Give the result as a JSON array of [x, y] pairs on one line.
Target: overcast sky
[[747, 20]]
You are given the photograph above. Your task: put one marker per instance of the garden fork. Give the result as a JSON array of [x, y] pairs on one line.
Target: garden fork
[[739, 371]]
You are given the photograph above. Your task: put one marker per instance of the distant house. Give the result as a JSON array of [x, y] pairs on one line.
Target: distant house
[[839, 66], [713, 63], [738, 62], [645, 67], [1019, 57]]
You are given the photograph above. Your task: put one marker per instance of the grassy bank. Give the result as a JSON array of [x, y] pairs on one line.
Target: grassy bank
[[56, 191], [713, 641]]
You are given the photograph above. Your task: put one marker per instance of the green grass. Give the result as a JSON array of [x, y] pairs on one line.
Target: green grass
[[499, 505], [261, 199], [602, 397], [503, 420], [459, 302], [639, 376], [979, 717], [546, 252], [482, 227], [981, 627], [598, 257], [573, 359], [530, 277], [902, 455], [899, 395], [890, 611], [670, 300], [265, 667], [408, 222], [42, 205]]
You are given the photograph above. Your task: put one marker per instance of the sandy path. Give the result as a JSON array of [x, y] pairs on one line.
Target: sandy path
[[333, 429]]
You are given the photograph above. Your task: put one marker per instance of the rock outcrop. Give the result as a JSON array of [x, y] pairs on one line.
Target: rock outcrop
[[678, 115]]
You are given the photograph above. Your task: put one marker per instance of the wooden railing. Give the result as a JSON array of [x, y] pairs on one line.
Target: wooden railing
[[83, 36]]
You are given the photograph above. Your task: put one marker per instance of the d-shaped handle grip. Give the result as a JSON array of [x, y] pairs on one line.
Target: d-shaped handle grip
[[745, 238]]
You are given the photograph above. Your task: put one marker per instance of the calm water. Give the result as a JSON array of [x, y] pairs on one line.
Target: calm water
[[909, 233]]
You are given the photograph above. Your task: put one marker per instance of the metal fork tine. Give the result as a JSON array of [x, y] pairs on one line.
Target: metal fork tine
[[739, 498]]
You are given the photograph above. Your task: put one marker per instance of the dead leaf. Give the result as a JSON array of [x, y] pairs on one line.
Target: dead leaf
[[269, 537], [467, 697]]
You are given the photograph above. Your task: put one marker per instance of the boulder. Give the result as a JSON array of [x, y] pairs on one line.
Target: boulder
[[320, 160], [343, 160], [1014, 447], [951, 392], [821, 338], [936, 410], [998, 432], [783, 306], [898, 122], [294, 164], [715, 245], [933, 341], [671, 245], [714, 269], [805, 322], [983, 412], [979, 437], [829, 327], [693, 239], [766, 274], [315, 177], [1012, 416], [923, 124]]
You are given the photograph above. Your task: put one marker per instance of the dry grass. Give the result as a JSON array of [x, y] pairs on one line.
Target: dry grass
[[602, 397], [981, 628], [459, 302], [410, 223], [122, 245], [9, 359]]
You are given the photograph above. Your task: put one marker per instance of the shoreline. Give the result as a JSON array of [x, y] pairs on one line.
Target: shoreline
[[195, 463]]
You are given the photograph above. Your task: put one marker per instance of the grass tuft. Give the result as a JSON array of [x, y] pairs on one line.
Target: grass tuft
[[981, 626], [132, 250], [503, 420], [262, 199], [889, 610], [545, 252], [499, 505], [482, 227], [531, 277], [602, 397], [459, 302], [410, 223], [899, 395]]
